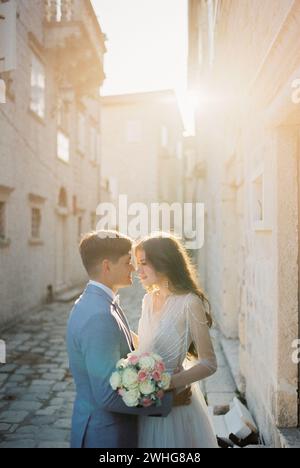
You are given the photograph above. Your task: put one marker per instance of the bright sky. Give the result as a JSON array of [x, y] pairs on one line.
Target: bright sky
[[147, 44]]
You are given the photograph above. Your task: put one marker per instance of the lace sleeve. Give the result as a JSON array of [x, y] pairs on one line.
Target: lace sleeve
[[142, 316], [198, 330]]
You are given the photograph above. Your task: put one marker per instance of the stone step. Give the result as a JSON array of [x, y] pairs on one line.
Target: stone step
[[69, 295], [237, 420], [289, 437]]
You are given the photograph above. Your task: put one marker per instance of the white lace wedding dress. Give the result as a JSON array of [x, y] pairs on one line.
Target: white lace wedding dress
[[169, 334]]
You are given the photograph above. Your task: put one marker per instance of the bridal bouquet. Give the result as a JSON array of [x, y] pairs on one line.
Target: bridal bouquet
[[141, 379]]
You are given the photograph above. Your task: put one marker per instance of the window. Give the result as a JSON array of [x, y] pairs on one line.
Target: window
[[4, 203], [36, 219], [63, 198], [134, 131], [37, 98], [63, 116], [7, 87], [2, 221], [36, 203], [63, 146]]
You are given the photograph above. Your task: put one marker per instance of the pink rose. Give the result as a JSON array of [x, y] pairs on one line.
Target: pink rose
[[160, 394], [160, 367], [142, 376], [156, 375], [133, 360], [147, 402], [145, 355]]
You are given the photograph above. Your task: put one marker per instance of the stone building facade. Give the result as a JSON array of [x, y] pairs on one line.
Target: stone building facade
[[142, 147], [49, 148], [244, 71]]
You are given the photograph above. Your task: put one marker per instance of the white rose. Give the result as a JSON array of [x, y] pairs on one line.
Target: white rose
[[121, 363], [165, 381], [130, 378], [115, 380], [131, 398], [156, 357], [147, 362], [147, 387]]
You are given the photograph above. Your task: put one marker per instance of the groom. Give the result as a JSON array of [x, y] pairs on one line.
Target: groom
[[98, 336]]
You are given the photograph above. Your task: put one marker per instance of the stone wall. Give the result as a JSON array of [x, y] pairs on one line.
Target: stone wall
[[31, 173], [248, 134]]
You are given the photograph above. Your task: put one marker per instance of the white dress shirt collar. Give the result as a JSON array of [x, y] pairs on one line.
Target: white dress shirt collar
[[104, 288]]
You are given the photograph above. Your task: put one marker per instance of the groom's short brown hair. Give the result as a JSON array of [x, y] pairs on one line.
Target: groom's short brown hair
[[100, 245]]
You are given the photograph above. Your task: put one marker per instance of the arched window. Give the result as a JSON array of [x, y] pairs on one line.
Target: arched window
[[63, 198]]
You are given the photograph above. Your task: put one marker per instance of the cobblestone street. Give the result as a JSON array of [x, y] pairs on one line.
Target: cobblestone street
[[36, 389]]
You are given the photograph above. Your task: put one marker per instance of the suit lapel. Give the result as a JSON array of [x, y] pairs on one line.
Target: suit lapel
[[121, 325], [118, 311], [123, 317], [115, 311]]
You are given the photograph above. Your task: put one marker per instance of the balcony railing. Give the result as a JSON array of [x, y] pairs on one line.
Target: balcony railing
[[75, 42], [59, 10]]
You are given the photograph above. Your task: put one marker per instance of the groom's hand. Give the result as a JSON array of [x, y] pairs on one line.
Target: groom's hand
[[176, 371], [183, 398]]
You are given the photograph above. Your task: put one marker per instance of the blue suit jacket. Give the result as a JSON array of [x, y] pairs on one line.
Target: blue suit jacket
[[97, 337]]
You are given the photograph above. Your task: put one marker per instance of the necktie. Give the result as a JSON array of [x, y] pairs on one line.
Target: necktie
[[121, 315]]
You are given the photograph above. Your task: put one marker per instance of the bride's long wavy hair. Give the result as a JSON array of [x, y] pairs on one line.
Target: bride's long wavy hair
[[169, 258]]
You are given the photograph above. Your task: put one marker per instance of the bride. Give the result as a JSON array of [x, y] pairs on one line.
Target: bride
[[174, 323]]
